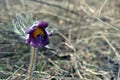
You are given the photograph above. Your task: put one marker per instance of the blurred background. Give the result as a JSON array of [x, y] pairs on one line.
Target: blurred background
[[86, 45]]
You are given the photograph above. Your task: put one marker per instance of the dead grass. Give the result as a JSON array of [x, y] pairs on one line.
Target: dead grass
[[86, 45]]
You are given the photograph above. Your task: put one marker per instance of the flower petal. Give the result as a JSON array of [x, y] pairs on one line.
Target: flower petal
[[34, 43], [42, 24], [28, 31], [48, 33], [43, 44]]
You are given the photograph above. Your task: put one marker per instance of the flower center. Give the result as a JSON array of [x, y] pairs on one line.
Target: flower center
[[38, 32]]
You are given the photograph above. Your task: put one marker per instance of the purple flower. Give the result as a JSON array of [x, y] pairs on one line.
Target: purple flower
[[38, 35]]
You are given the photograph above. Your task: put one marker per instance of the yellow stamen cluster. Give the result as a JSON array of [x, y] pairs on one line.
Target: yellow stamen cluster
[[38, 31]]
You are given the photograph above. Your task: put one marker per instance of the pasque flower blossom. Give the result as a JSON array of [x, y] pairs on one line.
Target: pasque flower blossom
[[38, 35]]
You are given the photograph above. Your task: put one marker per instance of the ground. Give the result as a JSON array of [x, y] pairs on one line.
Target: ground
[[86, 44]]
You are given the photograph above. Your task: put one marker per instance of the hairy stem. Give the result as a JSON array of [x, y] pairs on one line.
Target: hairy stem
[[32, 62]]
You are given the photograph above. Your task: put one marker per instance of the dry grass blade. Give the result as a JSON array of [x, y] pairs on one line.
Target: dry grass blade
[[113, 48]]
